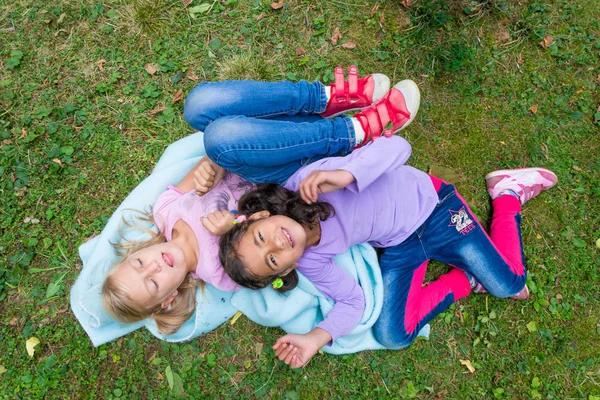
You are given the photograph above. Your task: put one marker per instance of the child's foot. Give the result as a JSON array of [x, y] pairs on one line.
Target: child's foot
[[525, 183], [355, 94], [391, 114]]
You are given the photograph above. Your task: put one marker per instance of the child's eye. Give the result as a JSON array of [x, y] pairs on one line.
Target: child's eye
[[273, 260], [140, 261], [155, 284], [260, 236]]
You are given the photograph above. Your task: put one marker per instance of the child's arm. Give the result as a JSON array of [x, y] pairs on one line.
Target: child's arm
[[365, 164], [334, 282], [203, 177]]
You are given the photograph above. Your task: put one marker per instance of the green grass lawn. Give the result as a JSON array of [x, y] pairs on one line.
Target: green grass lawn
[[505, 83]]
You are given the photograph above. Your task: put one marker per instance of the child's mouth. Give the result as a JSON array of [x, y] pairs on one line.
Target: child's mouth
[[168, 259], [288, 237]]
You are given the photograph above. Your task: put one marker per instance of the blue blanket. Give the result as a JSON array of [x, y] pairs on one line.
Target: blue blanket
[[297, 311]]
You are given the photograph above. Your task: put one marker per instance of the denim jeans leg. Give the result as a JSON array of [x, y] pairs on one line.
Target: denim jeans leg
[[210, 101], [271, 150], [453, 235]]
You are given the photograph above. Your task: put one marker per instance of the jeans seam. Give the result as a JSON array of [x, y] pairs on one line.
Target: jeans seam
[[350, 129], [322, 98]]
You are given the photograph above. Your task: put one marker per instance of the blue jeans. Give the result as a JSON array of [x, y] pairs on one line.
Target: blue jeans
[[451, 235], [266, 131]]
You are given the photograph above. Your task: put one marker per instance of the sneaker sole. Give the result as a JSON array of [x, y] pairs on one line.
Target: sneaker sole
[[381, 89], [500, 172]]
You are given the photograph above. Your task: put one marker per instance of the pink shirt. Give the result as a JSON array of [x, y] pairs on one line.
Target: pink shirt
[[174, 205]]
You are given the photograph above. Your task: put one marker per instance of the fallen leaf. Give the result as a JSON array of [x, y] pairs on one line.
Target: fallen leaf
[[260, 16], [382, 18], [258, 348], [56, 160], [532, 327], [2, 369], [545, 151], [538, 236], [467, 363], [335, 36], [187, 3], [534, 109], [100, 64], [178, 96], [480, 32], [152, 357], [300, 51], [576, 168], [547, 41], [160, 376], [598, 244], [519, 59], [374, 9], [234, 319], [276, 5], [156, 110], [349, 45], [151, 69], [558, 296], [23, 133], [14, 321], [30, 344], [192, 76]]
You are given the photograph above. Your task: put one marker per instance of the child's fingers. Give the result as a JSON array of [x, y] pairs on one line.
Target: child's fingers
[[285, 353], [290, 356], [208, 225], [279, 349]]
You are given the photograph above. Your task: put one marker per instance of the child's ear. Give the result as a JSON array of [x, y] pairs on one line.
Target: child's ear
[[259, 215], [167, 302]]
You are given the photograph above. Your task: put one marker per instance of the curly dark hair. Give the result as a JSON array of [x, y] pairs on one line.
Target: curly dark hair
[[277, 200]]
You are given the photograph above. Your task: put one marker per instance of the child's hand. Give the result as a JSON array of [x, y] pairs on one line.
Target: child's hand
[[207, 175], [323, 182], [219, 222], [297, 350]]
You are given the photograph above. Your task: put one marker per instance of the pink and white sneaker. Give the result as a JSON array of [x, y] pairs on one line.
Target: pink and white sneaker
[[525, 182], [355, 94]]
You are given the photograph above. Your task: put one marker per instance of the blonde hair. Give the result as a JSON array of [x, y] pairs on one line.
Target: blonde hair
[[115, 295]]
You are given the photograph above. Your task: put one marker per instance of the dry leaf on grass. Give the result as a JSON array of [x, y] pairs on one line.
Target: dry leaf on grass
[[234, 319], [156, 110], [374, 9], [534, 108], [349, 45], [151, 69], [258, 348], [547, 41], [467, 363], [519, 59], [276, 5], [335, 36], [23, 133], [30, 345], [100, 64], [545, 151], [56, 160], [178, 96], [187, 2], [192, 76], [300, 51]]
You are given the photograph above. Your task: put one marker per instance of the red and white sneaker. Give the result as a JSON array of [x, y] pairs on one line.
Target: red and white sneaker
[[525, 182], [355, 94], [394, 112]]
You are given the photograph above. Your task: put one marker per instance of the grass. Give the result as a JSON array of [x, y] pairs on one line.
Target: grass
[[78, 134]]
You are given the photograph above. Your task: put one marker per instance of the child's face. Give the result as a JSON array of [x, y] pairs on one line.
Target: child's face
[[272, 246], [153, 274]]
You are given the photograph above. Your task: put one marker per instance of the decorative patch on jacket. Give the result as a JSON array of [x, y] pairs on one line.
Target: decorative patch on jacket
[[461, 221]]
